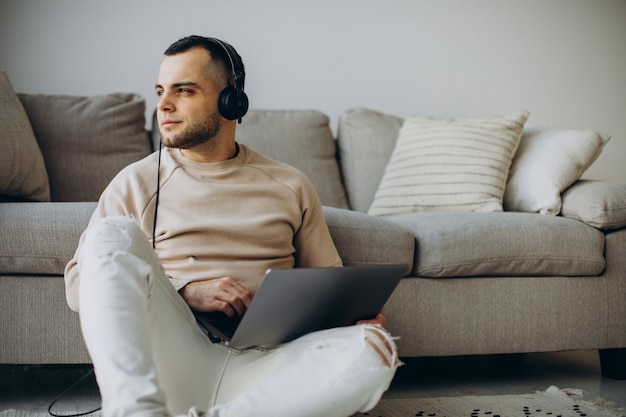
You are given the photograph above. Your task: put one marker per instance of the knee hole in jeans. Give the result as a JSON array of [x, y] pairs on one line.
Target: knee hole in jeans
[[381, 343]]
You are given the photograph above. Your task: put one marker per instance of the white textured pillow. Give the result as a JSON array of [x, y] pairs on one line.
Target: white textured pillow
[[23, 174], [449, 165], [547, 162]]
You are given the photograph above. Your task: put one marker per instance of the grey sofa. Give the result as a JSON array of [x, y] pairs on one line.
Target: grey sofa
[[478, 282]]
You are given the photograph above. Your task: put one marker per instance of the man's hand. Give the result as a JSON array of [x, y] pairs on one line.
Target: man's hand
[[222, 294]]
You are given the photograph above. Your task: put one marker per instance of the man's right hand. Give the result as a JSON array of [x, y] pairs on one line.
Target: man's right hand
[[221, 294]]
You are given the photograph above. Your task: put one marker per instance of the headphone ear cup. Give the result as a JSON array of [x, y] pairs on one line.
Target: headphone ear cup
[[232, 105]]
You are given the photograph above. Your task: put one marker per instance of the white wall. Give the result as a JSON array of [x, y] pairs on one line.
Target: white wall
[[563, 60]]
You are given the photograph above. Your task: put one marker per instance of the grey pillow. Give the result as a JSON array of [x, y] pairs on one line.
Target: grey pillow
[[22, 170], [86, 141]]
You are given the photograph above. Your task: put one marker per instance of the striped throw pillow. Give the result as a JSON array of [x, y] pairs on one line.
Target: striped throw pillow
[[449, 165]]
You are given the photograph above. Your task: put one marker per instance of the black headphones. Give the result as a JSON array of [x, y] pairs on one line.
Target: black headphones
[[233, 101]]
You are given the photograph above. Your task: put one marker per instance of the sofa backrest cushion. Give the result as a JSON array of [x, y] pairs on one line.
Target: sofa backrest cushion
[[22, 170], [366, 140], [86, 141], [300, 138], [600, 204]]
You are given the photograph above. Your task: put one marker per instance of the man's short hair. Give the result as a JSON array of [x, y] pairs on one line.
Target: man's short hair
[[218, 55]]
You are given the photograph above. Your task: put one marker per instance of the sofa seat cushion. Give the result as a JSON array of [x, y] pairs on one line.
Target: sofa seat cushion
[[362, 239], [502, 244], [40, 238]]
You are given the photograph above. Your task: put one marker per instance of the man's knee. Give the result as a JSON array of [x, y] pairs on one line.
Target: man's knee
[[111, 235], [114, 249], [381, 342]]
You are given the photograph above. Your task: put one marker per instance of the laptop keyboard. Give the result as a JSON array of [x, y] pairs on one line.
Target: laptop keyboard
[[219, 320]]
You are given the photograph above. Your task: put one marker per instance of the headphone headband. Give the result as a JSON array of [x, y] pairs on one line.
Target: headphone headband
[[233, 101], [236, 66]]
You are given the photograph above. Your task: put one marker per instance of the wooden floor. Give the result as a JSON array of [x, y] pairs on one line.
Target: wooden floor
[[32, 388]]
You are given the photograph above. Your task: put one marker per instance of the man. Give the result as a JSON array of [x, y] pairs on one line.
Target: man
[[225, 215]]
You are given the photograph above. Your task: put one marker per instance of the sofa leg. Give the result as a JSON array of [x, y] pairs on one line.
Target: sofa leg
[[613, 363]]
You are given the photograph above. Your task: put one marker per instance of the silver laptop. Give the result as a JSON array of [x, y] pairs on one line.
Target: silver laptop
[[293, 302]]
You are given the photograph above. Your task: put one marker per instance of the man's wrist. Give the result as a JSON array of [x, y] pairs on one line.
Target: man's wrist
[[178, 283]]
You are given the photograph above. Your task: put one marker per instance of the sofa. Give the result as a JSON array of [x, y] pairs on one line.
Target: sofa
[[538, 265]]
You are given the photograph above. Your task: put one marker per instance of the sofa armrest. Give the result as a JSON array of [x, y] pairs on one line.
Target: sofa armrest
[[600, 204], [362, 239]]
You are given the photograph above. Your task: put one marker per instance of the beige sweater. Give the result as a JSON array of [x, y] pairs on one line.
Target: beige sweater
[[234, 218]]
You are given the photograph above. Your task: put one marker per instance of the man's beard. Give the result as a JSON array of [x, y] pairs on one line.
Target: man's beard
[[194, 135]]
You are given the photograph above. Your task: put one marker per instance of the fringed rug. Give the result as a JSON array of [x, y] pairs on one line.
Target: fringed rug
[[553, 402]]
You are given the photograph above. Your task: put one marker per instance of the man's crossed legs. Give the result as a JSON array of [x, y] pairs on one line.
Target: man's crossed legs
[[152, 359]]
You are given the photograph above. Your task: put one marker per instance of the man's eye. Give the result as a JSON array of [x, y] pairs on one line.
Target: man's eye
[[159, 93]]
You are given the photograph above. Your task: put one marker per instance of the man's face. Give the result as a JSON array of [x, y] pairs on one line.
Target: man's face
[[187, 111]]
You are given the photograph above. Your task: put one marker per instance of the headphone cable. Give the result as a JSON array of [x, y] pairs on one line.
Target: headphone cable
[[156, 200], [64, 393]]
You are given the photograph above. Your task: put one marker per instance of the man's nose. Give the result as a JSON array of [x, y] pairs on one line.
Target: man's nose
[[165, 104]]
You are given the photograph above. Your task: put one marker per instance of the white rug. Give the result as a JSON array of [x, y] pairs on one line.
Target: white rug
[[553, 402]]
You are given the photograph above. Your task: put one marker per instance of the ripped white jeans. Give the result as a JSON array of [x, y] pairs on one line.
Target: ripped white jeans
[[152, 359]]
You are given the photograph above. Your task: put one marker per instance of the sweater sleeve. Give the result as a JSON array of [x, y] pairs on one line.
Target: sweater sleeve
[[312, 241]]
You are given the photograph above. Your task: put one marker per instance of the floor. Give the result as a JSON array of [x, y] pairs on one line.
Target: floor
[[33, 388]]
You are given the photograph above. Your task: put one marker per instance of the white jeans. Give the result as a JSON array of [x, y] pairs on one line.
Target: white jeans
[[152, 359]]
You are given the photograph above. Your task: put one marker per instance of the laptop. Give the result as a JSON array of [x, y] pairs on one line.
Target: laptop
[[293, 302]]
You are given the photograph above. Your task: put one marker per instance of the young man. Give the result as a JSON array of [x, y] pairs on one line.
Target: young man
[[225, 215]]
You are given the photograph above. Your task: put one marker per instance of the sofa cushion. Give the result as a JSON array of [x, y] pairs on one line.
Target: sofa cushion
[[600, 204], [300, 138], [449, 165], [40, 238], [457, 244], [366, 140], [367, 240], [547, 162], [23, 173], [86, 141]]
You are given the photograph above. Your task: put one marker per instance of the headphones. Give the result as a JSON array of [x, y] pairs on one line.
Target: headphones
[[232, 102]]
